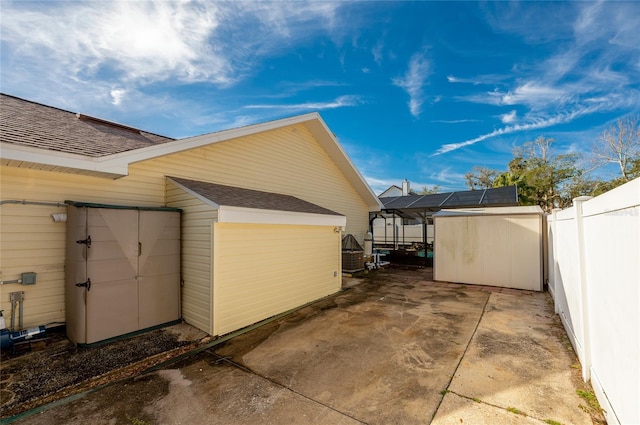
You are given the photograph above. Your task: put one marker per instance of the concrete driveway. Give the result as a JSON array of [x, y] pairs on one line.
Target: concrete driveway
[[392, 348]]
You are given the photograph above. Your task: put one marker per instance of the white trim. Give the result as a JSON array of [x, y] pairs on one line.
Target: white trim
[[227, 214], [33, 155]]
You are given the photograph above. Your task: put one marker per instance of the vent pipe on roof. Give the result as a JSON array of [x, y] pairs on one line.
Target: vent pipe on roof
[[405, 188]]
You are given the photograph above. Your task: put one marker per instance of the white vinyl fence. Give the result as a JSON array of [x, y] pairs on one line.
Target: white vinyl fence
[[594, 278]]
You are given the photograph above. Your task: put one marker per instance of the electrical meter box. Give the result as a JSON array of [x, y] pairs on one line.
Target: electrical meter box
[[28, 278]]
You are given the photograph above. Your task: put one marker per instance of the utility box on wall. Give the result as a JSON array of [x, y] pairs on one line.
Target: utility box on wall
[[122, 270], [499, 246]]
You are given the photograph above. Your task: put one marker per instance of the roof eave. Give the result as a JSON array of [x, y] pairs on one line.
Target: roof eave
[[31, 157]]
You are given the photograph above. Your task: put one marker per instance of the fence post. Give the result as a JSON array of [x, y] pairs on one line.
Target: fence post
[[584, 293], [554, 248]]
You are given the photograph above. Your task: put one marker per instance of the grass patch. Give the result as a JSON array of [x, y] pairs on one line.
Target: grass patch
[[551, 422], [477, 400], [136, 421], [444, 392], [590, 398], [516, 411]]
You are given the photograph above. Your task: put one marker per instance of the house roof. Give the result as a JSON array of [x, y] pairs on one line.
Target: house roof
[[36, 136], [31, 124], [494, 197], [390, 189], [221, 195]]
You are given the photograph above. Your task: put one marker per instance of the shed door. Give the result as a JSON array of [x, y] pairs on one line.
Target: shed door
[[112, 264], [159, 268], [130, 270]]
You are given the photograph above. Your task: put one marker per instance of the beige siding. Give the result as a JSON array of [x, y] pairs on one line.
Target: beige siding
[[31, 242], [287, 161], [489, 250], [197, 218], [264, 270]]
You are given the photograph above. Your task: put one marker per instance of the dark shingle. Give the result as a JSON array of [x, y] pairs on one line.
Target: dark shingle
[[248, 198], [31, 124]]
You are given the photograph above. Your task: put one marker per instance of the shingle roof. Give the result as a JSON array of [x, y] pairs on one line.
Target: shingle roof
[[248, 198], [31, 124], [501, 196]]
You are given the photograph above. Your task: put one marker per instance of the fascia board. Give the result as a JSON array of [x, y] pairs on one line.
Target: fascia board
[[60, 159], [228, 214]]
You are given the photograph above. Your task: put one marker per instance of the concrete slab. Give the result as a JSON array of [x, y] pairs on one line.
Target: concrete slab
[[456, 410], [201, 393], [395, 347], [520, 358], [379, 353]]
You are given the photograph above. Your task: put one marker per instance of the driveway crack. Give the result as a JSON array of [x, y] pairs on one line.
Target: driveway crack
[[225, 359], [475, 329]]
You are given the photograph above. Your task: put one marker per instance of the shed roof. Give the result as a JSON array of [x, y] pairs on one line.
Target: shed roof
[[507, 211], [221, 195]]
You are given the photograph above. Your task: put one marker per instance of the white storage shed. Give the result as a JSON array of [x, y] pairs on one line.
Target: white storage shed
[[500, 246]]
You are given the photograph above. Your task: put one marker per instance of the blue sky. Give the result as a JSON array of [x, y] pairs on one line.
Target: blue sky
[[415, 90]]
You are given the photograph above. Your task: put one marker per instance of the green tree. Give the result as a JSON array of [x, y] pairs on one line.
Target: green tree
[[543, 177]]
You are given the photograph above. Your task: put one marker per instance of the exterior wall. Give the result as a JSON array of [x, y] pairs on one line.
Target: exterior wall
[[261, 270], [286, 160], [31, 242], [196, 249], [489, 250], [593, 276]]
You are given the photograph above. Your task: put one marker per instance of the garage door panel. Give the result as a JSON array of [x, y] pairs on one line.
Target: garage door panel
[[264, 270]]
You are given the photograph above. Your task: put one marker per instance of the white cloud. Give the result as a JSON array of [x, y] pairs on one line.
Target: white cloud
[[453, 79], [537, 124], [117, 95], [509, 117], [130, 41], [413, 82], [134, 44], [377, 53], [339, 102], [455, 121], [531, 94]]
